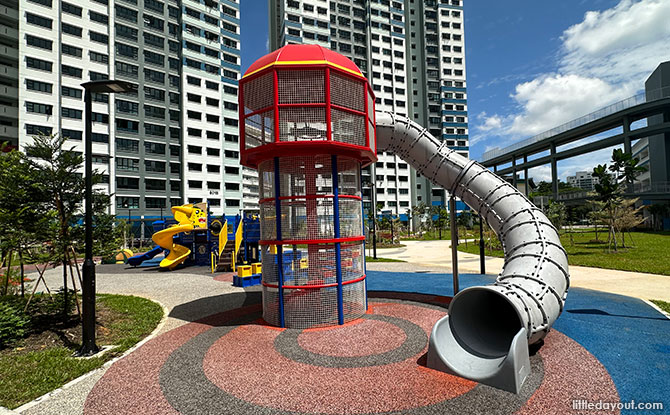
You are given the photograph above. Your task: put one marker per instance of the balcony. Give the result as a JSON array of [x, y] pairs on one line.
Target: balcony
[[8, 52], [9, 112], [9, 13], [9, 132], [9, 92], [8, 32]]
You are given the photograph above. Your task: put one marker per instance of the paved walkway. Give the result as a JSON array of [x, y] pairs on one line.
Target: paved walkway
[[633, 284]]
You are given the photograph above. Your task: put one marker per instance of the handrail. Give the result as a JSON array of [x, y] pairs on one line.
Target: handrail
[[238, 242], [223, 237]]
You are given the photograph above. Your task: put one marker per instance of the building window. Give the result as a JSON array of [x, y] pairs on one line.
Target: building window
[[39, 64], [72, 134], [39, 86], [71, 113], [98, 17], [154, 166], [125, 31], [98, 37], [46, 3], [39, 42], [194, 167], [128, 183], [126, 164], [32, 129], [71, 29], [154, 148], [123, 144], [154, 184], [38, 20], [195, 184], [39, 108], [98, 57], [124, 202], [154, 202], [155, 130], [127, 125]]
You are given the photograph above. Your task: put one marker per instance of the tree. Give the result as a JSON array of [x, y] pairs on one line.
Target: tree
[[62, 191], [464, 219], [622, 171], [19, 217], [440, 217], [556, 213]]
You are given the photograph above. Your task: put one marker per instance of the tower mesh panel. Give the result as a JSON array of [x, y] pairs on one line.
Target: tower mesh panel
[[301, 87], [259, 129], [347, 92], [307, 216], [259, 93], [302, 124], [347, 127]]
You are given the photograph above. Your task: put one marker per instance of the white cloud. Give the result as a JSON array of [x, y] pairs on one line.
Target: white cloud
[[603, 59], [554, 99], [489, 123]]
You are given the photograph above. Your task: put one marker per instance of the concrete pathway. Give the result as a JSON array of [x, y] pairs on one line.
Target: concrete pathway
[[632, 284]]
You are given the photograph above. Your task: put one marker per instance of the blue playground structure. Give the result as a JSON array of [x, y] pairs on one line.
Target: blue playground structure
[[242, 234]]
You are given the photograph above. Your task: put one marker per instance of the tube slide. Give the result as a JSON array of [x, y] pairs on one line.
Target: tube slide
[[178, 253], [486, 334], [138, 259]]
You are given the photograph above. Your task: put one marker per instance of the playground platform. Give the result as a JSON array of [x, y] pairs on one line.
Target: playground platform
[[215, 355]]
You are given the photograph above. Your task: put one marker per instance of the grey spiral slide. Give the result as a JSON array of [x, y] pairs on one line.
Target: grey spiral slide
[[486, 334]]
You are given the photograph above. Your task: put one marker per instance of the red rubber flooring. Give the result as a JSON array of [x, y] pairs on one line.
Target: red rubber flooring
[[232, 363]]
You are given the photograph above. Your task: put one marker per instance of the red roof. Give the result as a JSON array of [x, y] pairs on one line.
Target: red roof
[[301, 55]]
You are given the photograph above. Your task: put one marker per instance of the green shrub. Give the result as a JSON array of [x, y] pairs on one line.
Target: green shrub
[[13, 322]]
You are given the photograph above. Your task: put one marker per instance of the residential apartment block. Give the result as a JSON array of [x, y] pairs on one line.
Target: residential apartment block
[[174, 138], [413, 53], [583, 179]]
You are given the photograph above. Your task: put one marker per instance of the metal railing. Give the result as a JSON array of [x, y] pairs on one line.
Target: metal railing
[[653, 187], [603, 112]]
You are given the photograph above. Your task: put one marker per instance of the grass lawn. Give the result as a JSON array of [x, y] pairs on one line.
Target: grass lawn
[[43, 361], [649, 252], [371, 259], [665, 306]]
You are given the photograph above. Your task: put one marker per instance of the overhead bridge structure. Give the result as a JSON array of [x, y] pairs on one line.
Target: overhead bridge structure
[[618, 117]]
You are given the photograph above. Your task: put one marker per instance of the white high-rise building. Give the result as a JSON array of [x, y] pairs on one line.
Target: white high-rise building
[[413, 54], [172, 140]]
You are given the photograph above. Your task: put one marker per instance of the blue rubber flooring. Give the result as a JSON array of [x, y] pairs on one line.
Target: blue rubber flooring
[[630, 338]]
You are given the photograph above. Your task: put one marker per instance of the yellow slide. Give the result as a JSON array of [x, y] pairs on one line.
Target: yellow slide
[[189, 218]]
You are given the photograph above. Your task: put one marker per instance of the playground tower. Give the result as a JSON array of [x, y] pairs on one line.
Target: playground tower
[[307, 123]]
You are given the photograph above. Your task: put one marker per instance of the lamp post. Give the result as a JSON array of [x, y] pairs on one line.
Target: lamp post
[[371, 185], [88, 345]]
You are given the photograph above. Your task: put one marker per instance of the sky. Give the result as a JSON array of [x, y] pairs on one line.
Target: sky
[[533, 65]]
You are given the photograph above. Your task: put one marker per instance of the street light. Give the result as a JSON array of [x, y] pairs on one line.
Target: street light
[[107, 86], [371, 185]]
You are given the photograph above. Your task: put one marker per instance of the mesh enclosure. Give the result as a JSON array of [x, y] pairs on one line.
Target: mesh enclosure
[[349, 180], [371, 124], [348, 127], [307, 256], [259, 93], [259, 129], [373, 135], [347, 92], [302, 124], [351, 221], [301, 87], [313, 267]]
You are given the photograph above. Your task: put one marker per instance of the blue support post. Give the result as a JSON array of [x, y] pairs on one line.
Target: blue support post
[[280, 259], [338, 253], [365, 266]]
